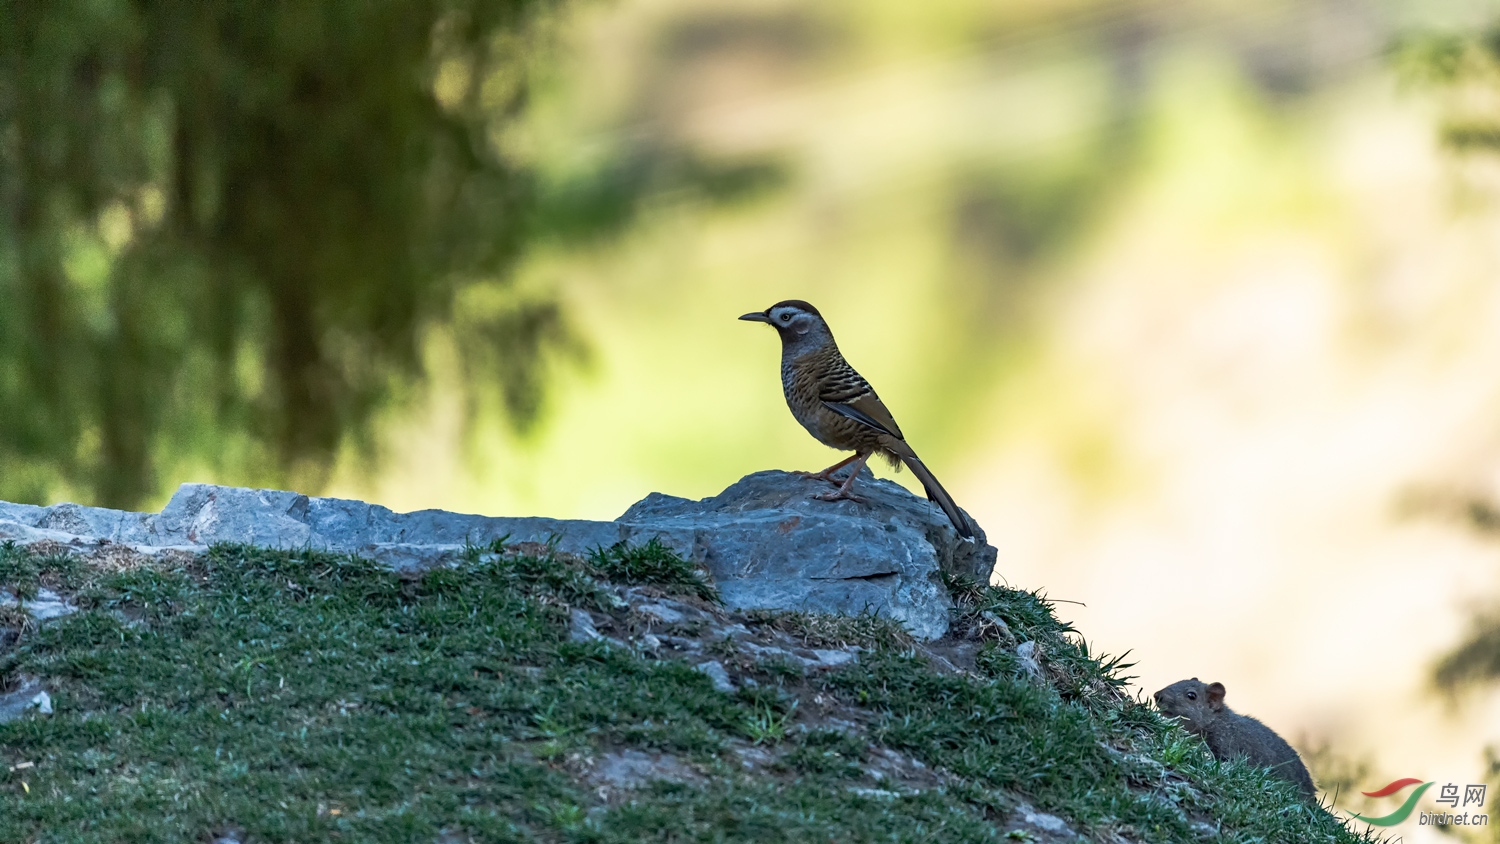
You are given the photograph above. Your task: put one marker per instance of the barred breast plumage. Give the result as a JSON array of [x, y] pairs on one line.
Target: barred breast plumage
[[823, 375]]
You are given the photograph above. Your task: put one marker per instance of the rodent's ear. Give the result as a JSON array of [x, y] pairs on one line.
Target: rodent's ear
[[1216, 695]]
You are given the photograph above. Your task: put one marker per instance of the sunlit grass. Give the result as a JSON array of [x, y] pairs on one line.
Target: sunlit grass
[[298, 695]]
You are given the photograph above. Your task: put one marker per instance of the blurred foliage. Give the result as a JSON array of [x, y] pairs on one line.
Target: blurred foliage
[[1468, 66], [1337, 775], [1476, 660], [597, 203], [232, 221], [1492, 778], [228, 226]]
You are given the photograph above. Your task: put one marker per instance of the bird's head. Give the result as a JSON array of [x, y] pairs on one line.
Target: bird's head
[[798, 323]]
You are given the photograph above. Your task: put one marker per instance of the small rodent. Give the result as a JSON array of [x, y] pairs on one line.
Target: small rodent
[[1200, 708]]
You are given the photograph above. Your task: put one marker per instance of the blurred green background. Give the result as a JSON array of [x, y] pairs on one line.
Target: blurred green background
[[1193, 304]]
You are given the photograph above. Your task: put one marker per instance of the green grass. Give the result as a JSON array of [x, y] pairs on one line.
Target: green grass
[[23, 572], [827, 752], [307, 697], [655, 564]]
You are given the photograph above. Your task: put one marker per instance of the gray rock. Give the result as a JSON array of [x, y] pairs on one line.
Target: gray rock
[[662, 613], [767, 543], [714, 671], [832, 658], [683, 643], [76, 519], [14, 704], [753, 757], [1043, 822], [25, 534], [46, 606], [410, 557], [581, 627], [885, 502], [202, 514], [764, 652], [23, 514], [633, 768]]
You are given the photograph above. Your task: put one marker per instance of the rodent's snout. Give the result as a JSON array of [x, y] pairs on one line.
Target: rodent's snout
[[1157, 697]]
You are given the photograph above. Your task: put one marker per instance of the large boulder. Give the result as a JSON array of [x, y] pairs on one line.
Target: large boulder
[[768, 544]]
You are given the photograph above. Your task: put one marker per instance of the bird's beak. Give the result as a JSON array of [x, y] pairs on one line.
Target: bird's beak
[[757, 316]]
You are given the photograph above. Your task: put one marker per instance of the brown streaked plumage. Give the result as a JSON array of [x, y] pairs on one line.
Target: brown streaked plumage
[[839, 407]]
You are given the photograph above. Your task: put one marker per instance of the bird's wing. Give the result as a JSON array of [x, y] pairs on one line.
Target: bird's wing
[[867, 409], [844, 392], [847, 393]]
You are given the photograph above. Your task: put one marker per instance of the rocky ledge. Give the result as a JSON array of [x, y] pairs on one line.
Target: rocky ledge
[[766, 542]]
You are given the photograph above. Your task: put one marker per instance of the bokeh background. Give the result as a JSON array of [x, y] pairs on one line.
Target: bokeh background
[[1194, 304]]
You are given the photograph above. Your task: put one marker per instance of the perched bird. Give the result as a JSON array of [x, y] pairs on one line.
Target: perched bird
[[839, 408]]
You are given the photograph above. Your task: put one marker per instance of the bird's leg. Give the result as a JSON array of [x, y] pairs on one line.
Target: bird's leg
[[827, 474], [842, 493]]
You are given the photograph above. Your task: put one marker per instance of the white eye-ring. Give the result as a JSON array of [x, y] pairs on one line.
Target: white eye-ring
[[786, 317]]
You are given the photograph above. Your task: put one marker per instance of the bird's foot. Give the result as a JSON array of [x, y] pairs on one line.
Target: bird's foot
[[824, 475], [827, 474], [838, 495], [842, 493]]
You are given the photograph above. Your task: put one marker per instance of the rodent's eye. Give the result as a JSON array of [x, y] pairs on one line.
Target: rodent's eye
[[1192, 695], [786, 317]]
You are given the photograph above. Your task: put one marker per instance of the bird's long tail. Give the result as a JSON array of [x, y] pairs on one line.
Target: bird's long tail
[[936, 493]]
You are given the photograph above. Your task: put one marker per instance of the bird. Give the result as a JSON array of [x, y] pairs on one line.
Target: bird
[[840, 408]]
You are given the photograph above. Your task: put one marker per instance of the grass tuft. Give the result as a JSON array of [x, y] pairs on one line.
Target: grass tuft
[[654, 564], [24, 572], [828, 752]]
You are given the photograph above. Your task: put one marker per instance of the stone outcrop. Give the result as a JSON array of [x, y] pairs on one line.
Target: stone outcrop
[[767, 544]]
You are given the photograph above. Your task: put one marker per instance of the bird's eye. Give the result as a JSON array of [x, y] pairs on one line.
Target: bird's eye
[[1192, 695], [786, 317]]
